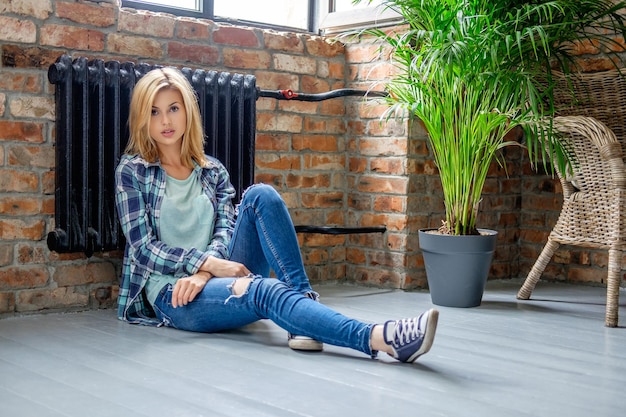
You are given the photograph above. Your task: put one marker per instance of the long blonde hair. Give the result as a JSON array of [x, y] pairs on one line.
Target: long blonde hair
[[141, 103]]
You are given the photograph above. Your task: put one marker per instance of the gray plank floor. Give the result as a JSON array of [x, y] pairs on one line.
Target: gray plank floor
[[551, 356]]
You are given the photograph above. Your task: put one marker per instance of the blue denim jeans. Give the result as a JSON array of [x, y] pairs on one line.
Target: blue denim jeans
[[264, 238]]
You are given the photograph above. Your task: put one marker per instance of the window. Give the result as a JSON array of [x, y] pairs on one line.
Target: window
[[281, 14], [192, 5], [285, 13], [193, 8], [342, 15], [315, 16]]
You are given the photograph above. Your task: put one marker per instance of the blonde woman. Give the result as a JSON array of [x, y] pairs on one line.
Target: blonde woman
[[194, 263]]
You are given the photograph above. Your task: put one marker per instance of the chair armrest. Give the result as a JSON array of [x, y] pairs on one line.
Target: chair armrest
[[592, 134]]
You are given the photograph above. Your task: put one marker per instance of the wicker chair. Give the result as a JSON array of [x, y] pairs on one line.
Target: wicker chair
[[593, 213]]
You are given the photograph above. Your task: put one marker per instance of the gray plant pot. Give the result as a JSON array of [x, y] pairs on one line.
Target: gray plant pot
[[457, 267]]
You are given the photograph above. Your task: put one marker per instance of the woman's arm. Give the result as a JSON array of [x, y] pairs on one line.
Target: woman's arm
[[217, 264], [224, 223]]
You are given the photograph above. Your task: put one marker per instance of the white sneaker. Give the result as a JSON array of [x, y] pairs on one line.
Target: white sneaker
[[297, 342], [304, 343]]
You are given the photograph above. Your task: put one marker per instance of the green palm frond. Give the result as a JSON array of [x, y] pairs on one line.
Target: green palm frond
[[472, 70]]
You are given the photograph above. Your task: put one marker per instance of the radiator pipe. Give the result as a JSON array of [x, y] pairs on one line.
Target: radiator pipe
[[342, 92], [331, 230]]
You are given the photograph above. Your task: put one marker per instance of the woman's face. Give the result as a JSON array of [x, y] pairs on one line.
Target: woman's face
[[168, 119]]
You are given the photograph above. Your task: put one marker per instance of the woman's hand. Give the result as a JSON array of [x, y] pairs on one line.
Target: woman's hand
[[224, 268], [187, 288]]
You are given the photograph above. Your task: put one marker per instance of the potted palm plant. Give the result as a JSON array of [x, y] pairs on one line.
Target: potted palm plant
[[472, 71]]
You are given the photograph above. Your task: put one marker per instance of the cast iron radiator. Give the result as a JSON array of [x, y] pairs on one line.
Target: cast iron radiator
[[92, 105]]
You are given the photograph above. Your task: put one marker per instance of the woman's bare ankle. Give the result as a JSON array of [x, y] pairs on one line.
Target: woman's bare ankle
[[377, 339]]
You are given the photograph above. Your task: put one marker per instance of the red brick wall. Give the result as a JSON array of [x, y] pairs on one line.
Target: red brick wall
[[334, 162]]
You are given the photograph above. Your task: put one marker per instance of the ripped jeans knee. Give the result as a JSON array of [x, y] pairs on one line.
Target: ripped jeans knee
[[240, 286], [223, 304]]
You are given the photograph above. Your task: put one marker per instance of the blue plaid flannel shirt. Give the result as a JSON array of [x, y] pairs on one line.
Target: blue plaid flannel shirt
[[140, 187]]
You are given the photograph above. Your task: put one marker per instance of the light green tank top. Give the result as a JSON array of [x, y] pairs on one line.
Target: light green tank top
[[186, 221]]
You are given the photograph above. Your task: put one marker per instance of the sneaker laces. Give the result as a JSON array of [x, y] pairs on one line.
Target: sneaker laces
[[407, 330]]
